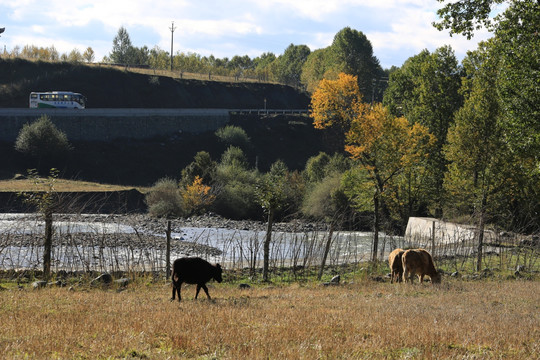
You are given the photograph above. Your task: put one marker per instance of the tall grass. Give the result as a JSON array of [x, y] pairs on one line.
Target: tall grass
[[358, 320]]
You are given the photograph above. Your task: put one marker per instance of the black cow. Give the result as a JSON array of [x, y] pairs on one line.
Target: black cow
[[193, 270]]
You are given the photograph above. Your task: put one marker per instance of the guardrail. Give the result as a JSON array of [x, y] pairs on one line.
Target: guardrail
[[268, 111]]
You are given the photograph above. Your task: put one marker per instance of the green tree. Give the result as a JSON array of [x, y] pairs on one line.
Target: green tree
[[315, 69], [139, 56], [351, 53], [327, 202], [475, 146], [89, 55], [271, 195], [315, 170], [202, 166], [159, 58], [516, 46], [466, 16], [426, 91], [75, 56], [289, 65], [263, 65], [122, 48], [47, 201]]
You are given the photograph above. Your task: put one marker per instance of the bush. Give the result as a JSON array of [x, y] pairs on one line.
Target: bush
[[236, 192], [233, 135], [164, 199], [42, 139], [234, 156]]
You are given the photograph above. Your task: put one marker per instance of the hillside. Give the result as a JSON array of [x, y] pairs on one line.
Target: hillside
[[111, 88], [128, 162]]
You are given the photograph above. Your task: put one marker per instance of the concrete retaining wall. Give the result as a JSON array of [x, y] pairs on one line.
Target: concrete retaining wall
[[110, 124], [420, 230]]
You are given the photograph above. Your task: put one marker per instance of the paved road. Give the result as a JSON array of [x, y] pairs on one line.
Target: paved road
[[122, 112], [112, 112]]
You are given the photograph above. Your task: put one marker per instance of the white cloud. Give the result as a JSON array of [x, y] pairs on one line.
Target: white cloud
[[397, 29]]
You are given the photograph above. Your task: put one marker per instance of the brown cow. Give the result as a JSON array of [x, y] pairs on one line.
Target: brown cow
[[419, 262], [396, 267]]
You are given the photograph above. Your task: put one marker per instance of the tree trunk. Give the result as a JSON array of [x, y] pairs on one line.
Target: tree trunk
[[267, 244], [47, 244], [168, 251], [326, 250], [481, 227], [375, 228]]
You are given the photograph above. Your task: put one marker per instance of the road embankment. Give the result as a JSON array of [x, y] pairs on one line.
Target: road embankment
[[111, 124]]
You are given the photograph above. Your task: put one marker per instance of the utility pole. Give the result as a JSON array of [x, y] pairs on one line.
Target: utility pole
[[172, 28]]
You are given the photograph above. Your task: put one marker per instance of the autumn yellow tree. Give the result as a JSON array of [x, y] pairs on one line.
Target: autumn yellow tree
[[197, 196], [383, 145]]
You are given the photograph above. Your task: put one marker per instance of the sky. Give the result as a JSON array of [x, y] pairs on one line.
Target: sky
[[397, 29]]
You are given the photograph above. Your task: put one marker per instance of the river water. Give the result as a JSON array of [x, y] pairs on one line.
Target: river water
[[110, 246]]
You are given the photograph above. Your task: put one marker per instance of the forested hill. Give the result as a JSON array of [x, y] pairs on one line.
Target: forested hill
[[111, 88]]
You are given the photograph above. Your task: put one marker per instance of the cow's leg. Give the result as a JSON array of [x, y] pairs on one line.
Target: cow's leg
[[176, 286], [206, 291], [406, 274], [198, 289], [393, 275], [422, 279]]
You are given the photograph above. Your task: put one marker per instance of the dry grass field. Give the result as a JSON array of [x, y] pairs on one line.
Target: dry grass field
[[60, 185], [360, 319]]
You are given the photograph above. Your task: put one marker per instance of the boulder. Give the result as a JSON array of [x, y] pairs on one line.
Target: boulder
[[39, 284], [123, 282], [104, 279]]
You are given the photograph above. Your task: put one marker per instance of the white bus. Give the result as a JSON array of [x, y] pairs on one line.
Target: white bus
[[57, 99]]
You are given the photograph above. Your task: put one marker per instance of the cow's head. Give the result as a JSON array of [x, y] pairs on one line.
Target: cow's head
[[217, 273], [436, 279]]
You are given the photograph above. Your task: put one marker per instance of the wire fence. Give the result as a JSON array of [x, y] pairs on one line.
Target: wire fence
[[82, 244]]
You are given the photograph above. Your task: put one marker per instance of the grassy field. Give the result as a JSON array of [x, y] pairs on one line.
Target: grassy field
[[61, 185], [360, 319]]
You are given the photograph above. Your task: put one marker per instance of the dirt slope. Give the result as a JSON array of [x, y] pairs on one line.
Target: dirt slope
[[109, 88]]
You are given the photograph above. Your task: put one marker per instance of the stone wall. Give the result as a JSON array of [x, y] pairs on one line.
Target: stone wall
[[110, 124]]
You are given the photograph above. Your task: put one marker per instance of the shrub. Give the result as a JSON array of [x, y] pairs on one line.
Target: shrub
[[236, 192], [234, 156], [164, 199], [197, 197], [233, 135], [42, 139]]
